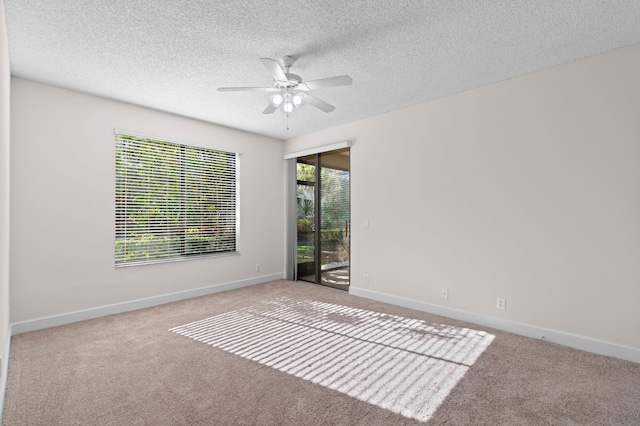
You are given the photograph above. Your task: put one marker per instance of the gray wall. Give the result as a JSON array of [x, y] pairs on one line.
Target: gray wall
[[63, 208], [4, 194], [528, 189]]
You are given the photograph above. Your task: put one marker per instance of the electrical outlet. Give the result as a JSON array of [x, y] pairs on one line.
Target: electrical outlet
[[365, 278], [444, 293], [501, 303], [257, 267]]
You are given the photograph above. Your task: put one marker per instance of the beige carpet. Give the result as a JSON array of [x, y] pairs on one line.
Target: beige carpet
[[287, 353]]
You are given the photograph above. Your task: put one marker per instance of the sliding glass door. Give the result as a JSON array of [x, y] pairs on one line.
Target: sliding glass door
[[323, 218]]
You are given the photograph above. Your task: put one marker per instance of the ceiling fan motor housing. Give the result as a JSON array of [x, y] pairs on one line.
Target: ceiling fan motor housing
[[293, 80]]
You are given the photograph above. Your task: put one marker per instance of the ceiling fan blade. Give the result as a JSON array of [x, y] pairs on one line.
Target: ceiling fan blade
[[246, 89], [319, 103], [341, 80], [269, 109], [274, 69]]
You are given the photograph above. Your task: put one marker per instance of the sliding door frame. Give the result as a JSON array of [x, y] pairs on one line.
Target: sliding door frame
[[291, 209]]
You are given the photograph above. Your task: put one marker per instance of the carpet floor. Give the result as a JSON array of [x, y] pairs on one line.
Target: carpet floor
[[293, 353]]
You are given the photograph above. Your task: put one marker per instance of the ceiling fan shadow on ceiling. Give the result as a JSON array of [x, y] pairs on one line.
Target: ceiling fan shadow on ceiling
[[289, 91]]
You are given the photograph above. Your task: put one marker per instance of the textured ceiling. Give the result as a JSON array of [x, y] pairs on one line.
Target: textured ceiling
[[172, 55]]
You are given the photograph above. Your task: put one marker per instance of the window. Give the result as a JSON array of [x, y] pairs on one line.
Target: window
[[173, 201]]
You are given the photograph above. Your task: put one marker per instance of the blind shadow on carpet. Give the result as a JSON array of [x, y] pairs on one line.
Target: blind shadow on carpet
[[405, 365]]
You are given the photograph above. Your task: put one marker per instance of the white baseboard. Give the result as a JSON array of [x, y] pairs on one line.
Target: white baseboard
[[68, 318], [4, 371], [627, 353]]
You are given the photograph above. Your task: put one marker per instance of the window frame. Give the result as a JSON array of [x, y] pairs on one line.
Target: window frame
[[122, 214]]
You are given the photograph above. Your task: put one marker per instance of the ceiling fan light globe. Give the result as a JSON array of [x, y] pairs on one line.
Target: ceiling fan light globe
[[297, 100], [276, 99], [287, 107]]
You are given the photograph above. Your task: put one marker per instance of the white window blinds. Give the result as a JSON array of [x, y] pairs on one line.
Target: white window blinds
[[173, 201]]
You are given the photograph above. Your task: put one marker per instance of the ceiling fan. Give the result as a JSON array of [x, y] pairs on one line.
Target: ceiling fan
[[289, 91]]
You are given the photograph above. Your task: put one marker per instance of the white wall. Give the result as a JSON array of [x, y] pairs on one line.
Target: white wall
[[528, 189], [63, 213], [4, 199]]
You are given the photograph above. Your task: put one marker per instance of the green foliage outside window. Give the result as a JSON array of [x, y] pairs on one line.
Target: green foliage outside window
[[173, 200]]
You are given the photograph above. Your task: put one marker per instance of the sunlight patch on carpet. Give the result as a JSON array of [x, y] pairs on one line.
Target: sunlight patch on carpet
[[401, 364]]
